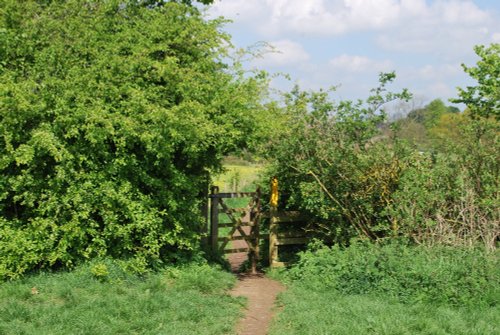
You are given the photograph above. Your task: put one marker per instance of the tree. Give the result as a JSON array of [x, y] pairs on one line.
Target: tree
[[430, 114], [483, 100], [111, 116], [333, 164]]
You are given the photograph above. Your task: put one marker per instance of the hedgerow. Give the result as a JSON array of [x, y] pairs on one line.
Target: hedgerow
[[112, 114], [410, 274]]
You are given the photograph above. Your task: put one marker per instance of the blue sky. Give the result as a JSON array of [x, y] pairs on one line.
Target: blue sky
[[322, 43]]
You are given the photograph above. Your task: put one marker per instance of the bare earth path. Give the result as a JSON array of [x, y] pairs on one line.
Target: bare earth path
[[261, 293]]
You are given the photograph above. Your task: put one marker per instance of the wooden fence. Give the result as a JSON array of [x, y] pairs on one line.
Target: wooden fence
[[285, 228], [293, 234]]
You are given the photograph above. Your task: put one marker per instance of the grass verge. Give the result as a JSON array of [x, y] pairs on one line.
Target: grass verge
[[331, 313], [391, 289], [100, 298]]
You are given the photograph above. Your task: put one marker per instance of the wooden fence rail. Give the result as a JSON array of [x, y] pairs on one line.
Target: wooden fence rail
[[245, 230], [277, 237]]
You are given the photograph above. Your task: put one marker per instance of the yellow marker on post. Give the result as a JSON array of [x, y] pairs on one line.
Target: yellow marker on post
[[274, 192]]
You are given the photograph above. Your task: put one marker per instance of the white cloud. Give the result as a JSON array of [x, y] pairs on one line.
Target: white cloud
[[241, 10], [451, 26], [439, 72], [458, 12], [496, 37], [282, 53], [333, 17], [350, 63], [329, 17], [441, 89], [409, 33]]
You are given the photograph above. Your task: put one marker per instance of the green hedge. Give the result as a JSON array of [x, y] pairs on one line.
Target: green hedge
[[440, 275], [112, 114]]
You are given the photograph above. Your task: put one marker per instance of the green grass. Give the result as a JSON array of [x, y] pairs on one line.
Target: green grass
[[102, 299], [239, 178], [391, 289], [331, 313]]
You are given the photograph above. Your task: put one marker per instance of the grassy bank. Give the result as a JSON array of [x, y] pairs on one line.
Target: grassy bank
[[391, 289], [100, 298]]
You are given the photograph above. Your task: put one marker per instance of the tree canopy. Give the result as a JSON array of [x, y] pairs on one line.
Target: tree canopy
[[484, 98], [111, 115]]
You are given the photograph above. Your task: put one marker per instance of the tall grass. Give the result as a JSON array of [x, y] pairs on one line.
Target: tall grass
[[100, 298], [391, 289]]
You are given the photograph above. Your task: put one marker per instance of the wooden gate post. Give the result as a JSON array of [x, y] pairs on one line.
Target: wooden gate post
[[273, 226], [254, 232], [214, 218]]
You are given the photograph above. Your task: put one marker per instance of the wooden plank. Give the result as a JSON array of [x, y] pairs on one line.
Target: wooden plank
[[235, 238], [273, 229], [253, 243], [293, 234], [230, 225], [265, 215], [285, 216], [235, 251], [289, 217], [279, 264], [291, 241], [243, 210], [233, 195]]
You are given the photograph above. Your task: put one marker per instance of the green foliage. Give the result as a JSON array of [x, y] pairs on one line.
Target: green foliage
[[433, 177], [391, 288], [153, 3], [423, 125], [451, 196], [238, 177], [332, 163], [194, 301], [430, 114], [483, 100], [308, 312], [439, 275], [111, 116]]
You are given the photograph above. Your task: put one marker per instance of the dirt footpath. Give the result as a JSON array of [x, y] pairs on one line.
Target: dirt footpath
[[261, 293]]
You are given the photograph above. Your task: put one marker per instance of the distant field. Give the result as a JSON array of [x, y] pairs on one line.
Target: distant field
[[239, 178]]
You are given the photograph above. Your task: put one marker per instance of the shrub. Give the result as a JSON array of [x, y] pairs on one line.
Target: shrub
[[333, 165], [112, 114], [441, 275]]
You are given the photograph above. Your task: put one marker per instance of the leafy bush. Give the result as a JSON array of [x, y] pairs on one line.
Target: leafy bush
[[356, 175], [438, 275], [450, 197], [332, 164], [112, 114]]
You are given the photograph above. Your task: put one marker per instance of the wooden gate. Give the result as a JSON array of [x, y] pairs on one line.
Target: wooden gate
[[243, 235]]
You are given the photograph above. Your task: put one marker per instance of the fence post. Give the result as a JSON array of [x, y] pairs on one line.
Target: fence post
[[255, 231], [273, 224], [214, 218], [204, 195]]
